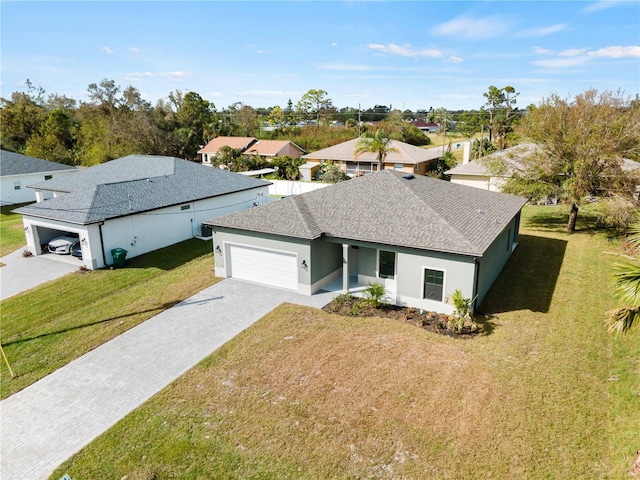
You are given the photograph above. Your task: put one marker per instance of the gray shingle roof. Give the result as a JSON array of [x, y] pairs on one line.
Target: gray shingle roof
[[386, 208], [512, 157], [404, 153], [16, 164], [133, 184]]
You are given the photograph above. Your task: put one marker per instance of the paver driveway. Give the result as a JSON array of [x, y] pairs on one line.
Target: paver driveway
[[44, 424]]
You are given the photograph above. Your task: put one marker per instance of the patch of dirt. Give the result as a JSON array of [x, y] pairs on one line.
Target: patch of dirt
[[351, 306]]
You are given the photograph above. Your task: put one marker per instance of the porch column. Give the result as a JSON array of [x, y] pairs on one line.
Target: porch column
[[345, 267]]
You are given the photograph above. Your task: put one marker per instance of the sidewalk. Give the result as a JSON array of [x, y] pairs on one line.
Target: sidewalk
[[46, 423]]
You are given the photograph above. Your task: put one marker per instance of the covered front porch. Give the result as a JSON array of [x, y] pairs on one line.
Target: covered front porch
[[362, 266]]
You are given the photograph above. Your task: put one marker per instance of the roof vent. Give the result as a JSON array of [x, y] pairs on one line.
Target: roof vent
[[408, 176]]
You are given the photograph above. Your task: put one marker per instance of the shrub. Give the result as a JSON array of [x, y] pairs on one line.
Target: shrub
[[616, 213], [462, 311], [374, 294]]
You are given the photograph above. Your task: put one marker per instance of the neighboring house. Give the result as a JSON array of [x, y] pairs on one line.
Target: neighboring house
[[406, 158], [250, 146], [212, 148], [18, 171], [140, 203], [477, 174], [429, 127], [274, 148], [421, 237]]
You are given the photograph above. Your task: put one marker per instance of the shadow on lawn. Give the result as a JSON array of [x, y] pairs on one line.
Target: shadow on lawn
[[529, 278], [158, 309], [173, 256]]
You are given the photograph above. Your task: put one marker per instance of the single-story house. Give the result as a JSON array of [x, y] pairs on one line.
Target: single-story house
[[477, 173], [274, 148], [267, 149], [139, 203], [426, 127], [405, 158], [18, 171], [421, 237]]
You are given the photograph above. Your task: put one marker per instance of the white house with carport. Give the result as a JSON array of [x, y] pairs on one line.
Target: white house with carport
[[421, 237], [18, 171], [140, 203]]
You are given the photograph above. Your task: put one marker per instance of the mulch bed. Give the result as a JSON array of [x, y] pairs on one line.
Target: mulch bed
[[351, 306]]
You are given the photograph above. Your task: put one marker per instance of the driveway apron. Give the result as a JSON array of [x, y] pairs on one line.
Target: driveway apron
[[47, 422], [22, 273]]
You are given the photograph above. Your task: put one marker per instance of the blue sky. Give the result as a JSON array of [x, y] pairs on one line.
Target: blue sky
[[413, 55]]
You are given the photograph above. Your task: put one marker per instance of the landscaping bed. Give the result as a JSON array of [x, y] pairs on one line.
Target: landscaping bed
[[351, 306]]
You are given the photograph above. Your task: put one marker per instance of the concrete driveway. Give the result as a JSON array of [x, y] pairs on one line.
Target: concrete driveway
[[22, 273], [49, 421]]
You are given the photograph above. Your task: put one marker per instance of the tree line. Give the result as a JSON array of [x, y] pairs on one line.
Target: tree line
[[115, 122]]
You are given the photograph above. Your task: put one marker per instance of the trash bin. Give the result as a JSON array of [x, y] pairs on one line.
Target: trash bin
[[119, 256]]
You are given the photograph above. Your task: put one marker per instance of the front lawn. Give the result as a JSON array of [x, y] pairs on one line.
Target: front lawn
[[47, 327], [11, 230], [543, 392]]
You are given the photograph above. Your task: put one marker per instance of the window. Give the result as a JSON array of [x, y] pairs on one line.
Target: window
[[48, 177], [185, 207], [387, 264], [398, 166], [433, 284], [16, 185]]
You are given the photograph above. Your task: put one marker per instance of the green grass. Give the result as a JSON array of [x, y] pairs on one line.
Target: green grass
[[544, 393], [51, 325], [11, 230]]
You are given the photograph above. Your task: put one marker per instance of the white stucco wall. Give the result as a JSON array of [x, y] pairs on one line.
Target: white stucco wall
[[143, 232], [492, 184], [10, 196]]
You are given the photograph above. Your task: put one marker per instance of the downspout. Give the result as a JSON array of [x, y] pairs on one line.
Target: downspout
[[104, 258], [476, 273]]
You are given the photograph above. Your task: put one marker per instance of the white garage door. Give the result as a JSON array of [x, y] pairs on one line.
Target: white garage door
[[278, 269]]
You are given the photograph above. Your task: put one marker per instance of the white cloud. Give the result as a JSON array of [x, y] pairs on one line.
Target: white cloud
[[543, 31], [542, 51], [617, 52], [579, 56], [406, 50], [572, 52], [471, 28], [601, 5], [134, 49], [454, 59], [173, 76], [108, 50], [334, 44], [563, 62], [345, 67]]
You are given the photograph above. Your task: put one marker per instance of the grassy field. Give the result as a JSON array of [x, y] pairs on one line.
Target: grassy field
[[47, 327], [11, 232], [543, 393]]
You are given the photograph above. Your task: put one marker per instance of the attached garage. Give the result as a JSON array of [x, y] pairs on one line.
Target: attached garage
[[270, 267]]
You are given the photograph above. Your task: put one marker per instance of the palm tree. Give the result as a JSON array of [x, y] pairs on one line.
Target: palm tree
[[626, 289], [378, 144]]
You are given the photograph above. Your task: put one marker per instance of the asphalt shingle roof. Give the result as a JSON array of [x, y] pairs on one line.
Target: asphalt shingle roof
[[133, 184], [512, 160], [240, 143], [404, 153], [387, 208], [16, 164]]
